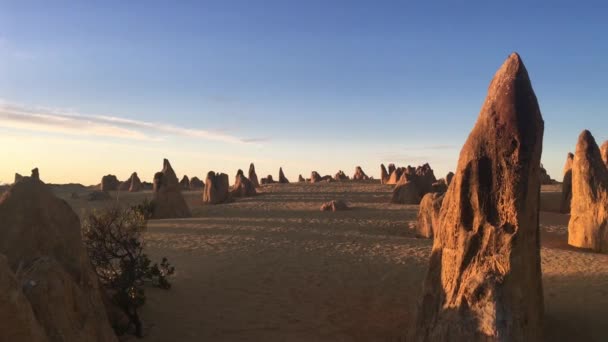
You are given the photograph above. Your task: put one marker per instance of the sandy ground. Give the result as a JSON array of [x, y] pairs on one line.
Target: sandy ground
[[275, 268]]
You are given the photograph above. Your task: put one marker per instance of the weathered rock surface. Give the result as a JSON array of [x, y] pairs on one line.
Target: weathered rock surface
[[168, 201], [18, 320], [253, 177], [135, 183], [109, 183], [282, 178], [395, 175], [38, 227], [567, 185], [301, 179], [406, 191], [414, 183], [341, 176], [604, 152], [448, 178], [315, 177], [428, 214], [243, 187], [439, 186], [484, 279], [383, 174], [147, 186], [185, 183], [588, 226], [545, 179], [267, 180], [359, 174], [196, 183], [216, 188], [335, 205]]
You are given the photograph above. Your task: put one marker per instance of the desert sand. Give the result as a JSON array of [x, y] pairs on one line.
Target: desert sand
[[275, 268]]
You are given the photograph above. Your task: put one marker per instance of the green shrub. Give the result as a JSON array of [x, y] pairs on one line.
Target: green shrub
[[114, 242]]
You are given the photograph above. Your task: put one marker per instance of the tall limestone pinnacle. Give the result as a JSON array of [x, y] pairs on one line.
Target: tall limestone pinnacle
[[484, 278], [588, 226]]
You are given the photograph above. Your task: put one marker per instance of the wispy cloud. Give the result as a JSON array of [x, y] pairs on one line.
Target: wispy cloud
[[67, 122]]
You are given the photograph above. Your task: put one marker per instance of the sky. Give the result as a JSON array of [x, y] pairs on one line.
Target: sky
[[92, 88]]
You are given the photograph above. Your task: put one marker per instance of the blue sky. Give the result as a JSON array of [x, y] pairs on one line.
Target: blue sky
[[324, 85]]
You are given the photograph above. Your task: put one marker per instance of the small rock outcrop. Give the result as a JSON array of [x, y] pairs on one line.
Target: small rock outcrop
[[315, 177], [109, 183], [135, 185], [406, 191], [216, 188], [18, 177], [545, 179], [567, 185], [243, 187], [196, 183], [168, 201], [66, 301], [414, 183], [448, 178], [282, 178], [359, 174], [395, 175], [335, 205], [301, 179], [253, 177], [428, 214], [391, 168], [267, 180], [383, 174], [439, 186], [588, 226], [185, 183], [604, 152], [484, 278], [341, 176]]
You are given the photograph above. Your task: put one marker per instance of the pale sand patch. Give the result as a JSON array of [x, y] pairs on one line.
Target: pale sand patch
[[275, 268]]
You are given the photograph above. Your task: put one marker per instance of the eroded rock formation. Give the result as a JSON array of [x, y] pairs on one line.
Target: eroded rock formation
[[341, 176], [109, 183], [185, 183], [243, 187], [588, 226], [282, 178], [428, 214], [168, 200], [38, 228], [253, 177], [484, 278], [383, 174], [567, 185], [359, 174], [335, 205], [216, 188], [196, 183]]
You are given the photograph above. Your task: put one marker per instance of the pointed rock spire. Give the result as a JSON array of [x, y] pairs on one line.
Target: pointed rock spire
[[168, 200], [484, 278], [567, 185], [253, 177], [282, 178], [589, 212]]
